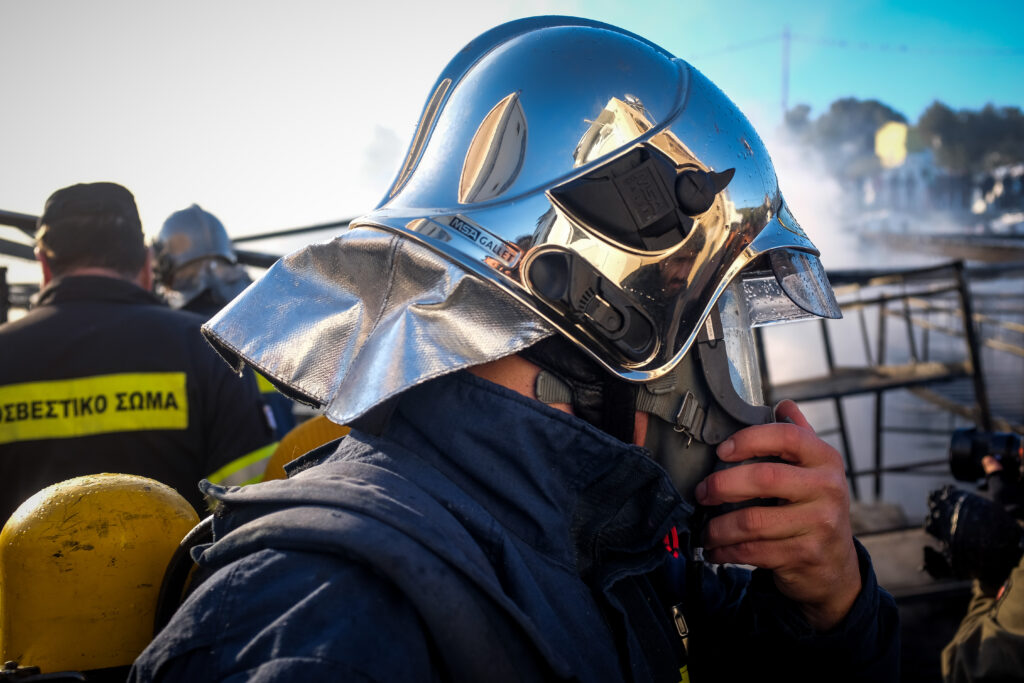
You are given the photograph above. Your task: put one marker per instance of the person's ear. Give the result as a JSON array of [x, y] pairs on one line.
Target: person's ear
[[45, 264], [145, 276]]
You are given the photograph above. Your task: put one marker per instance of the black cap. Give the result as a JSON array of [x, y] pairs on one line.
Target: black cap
[[91, 199], [81, 223]]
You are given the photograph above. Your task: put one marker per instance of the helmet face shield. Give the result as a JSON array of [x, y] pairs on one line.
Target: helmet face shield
[[802, 278], [740, 347], [605, 184]]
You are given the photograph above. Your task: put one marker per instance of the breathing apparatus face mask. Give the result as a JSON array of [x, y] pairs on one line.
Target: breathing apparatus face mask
[[717, 389]]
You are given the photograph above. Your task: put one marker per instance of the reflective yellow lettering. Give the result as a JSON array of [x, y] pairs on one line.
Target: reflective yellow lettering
[[78, 407]]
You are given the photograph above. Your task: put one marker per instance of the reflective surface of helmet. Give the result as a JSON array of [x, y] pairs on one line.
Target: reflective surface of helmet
[[568, 177], [605, 184], [193, 254]]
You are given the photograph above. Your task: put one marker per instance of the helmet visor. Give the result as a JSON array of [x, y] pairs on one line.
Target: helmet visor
[[801, 276], [786, 293]]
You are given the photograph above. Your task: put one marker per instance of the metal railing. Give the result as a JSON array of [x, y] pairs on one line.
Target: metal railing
[[900, 315]]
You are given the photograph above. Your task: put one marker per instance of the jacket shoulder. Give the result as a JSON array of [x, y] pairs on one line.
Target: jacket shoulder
[[297, 615]]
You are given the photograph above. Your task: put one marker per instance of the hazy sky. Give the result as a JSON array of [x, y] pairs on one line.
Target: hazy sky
[[280, 114]]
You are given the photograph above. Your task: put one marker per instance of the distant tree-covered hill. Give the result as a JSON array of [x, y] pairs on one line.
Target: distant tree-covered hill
[[963, 141]]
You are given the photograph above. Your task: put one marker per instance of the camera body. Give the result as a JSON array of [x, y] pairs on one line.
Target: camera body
[[968, 446], [979, 539]]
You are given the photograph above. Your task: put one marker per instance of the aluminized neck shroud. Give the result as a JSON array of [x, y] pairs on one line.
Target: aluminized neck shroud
[[346, 324]]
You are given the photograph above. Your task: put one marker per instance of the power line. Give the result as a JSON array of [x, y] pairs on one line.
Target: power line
[[842, 43], [736, 47], [984, 51]]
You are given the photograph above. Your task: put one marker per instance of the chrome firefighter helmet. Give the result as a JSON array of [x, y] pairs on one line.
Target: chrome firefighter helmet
[[193, 254], [608, 186], [568, 177]]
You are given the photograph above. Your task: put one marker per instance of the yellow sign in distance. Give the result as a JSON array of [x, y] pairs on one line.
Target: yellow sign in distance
[[891, 144]]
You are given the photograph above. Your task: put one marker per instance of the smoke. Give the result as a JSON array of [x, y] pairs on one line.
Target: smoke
[[817, 200]]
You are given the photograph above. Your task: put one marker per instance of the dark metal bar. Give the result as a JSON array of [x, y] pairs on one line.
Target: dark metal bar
[[926, 337], [5, 295], [865, 337], [292, 231], [256, 258], [22, 221], [17, 250], [879, 406], [993, 271], [885, 298], [881, 276], [910, 330], [974, 349]]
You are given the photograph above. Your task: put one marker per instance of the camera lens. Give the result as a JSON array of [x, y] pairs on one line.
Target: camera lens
[[964, 458], [967, 447]]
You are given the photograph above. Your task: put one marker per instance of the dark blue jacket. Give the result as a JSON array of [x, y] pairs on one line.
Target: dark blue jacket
[[99, 369], [487, 537]]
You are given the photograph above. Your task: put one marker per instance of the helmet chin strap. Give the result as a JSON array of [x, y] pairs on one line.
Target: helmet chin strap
[[570, 376], [680, 436]]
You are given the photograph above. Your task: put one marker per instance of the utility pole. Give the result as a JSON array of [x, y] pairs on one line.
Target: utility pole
[[785, 71]]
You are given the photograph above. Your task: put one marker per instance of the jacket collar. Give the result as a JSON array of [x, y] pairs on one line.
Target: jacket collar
[[94, 288], [545, 475]]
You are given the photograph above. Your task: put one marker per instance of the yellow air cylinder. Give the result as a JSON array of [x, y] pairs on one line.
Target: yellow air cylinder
[[81, 564], [306, 436]]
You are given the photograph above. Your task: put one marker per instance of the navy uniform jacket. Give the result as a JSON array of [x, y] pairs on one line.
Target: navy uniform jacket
[[487, 537], [101, 377]]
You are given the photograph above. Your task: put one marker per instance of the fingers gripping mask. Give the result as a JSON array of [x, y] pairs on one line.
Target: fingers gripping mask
[[717, 389]]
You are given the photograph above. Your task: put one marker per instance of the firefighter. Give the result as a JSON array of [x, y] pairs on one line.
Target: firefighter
[[195, 268], [101, 377], [554, 296]]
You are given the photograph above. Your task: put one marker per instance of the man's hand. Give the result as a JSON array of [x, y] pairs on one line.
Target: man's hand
[[991, 465], [806, 540]]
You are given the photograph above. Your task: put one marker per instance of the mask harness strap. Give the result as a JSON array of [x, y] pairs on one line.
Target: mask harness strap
[[660, 398], [657, 397], [596, 396]]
